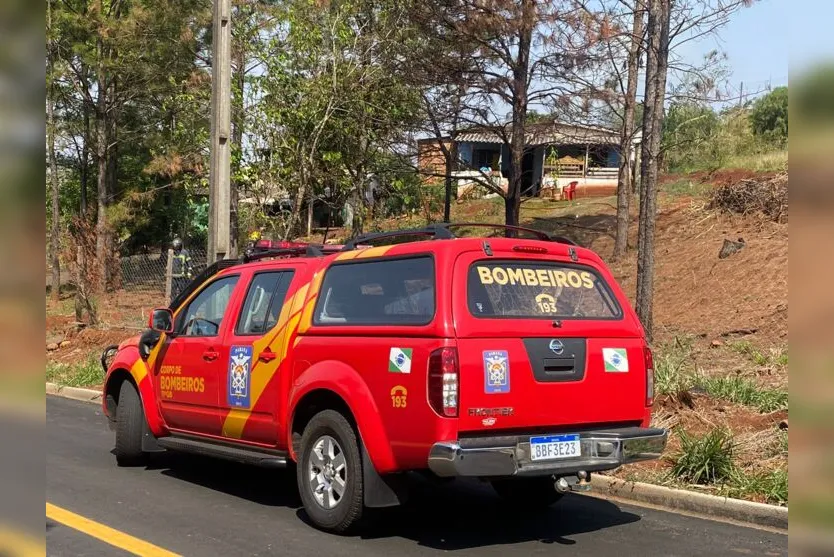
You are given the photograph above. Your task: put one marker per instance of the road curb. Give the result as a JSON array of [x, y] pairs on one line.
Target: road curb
[[75, 393], [738, 510]]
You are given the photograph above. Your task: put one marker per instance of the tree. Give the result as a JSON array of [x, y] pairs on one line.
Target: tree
[[769, 116], [55, 223], [669, 26], [657, 51], [625, 173], [521, 51]]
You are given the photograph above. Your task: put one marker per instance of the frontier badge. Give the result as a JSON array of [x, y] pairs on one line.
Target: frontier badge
[[496, 371], [240, 376]]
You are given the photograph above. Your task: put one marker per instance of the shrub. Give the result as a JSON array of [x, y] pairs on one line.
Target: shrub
[[705, 459], [769, 116]]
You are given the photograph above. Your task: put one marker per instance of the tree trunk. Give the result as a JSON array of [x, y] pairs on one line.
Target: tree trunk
[[310, 200], [521, 70], [84, 171], [54, 230], [451, 159], [656, 70], [101, 188], [626, 162], [237, 142]]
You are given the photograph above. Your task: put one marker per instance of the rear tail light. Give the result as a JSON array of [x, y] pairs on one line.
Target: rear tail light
[[444, 380], [649, 375]]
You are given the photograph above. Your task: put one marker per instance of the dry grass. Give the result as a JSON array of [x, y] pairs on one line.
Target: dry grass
[[745, 197]]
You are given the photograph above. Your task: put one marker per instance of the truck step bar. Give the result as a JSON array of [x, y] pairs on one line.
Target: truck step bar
[[218, 450]]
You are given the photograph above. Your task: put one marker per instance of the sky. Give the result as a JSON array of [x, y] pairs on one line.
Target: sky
[[758, 44]]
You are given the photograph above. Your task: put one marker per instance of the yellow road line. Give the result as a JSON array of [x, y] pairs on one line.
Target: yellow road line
[[16, 543], [105, 533]]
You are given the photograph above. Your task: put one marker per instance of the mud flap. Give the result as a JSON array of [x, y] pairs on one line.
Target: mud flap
[[388, 491], [149, 443]]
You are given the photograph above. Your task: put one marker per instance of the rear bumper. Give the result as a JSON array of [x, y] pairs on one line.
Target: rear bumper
[[601, 450]]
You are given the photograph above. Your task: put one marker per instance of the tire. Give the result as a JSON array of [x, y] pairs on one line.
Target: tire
[[130, 422], [527, 493], [329, 463]]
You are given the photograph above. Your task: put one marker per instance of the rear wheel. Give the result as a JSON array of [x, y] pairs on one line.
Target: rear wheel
[[329, 473], [130, 421], [527, 493]]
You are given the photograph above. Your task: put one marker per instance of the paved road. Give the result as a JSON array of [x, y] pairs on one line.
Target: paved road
[[197, 506]]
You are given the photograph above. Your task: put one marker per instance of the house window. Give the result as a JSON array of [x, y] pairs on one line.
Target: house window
[[486, 158]]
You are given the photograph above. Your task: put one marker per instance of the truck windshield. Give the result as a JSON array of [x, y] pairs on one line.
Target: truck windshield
[[538, 290]]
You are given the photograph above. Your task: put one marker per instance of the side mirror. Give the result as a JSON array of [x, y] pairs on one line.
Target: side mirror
[[162, 320]]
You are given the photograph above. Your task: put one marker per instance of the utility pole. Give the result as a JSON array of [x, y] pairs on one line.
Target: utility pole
[[221, 93]]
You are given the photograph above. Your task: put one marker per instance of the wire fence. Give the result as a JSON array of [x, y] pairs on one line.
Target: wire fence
[[145, 282], [149, 272]]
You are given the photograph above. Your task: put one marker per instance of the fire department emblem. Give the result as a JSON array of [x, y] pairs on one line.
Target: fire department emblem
[[496, 371], [240, 367]]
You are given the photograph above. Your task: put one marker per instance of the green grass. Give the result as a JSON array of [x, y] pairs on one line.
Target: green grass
[[776, 357], [673, 367], [773, 161], [75, 375], [771, 485], [685, 186], [705, 459], [742, 390], [709, 459]]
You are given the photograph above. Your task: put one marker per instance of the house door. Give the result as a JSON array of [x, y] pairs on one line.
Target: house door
[[527, 173]]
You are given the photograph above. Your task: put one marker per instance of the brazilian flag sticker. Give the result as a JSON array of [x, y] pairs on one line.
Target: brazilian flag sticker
[[399, 360]]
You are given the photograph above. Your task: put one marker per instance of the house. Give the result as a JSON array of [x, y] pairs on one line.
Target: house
[[555, 155]]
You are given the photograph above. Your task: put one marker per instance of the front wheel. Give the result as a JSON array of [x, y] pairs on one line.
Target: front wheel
[[130, 422], [527, 493], [329, 473]]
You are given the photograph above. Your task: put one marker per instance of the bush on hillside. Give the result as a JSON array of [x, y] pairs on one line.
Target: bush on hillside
[[769, 116]]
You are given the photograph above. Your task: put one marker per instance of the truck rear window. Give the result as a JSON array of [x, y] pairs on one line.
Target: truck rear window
[[533, 289]]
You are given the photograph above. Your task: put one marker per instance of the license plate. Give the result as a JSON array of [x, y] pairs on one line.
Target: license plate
[[555, 446]]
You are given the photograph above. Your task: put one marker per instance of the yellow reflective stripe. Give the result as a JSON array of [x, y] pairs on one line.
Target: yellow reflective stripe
[[138, 370], [236, 419]]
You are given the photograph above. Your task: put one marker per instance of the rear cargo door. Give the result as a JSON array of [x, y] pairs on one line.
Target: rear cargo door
[[543, 343]]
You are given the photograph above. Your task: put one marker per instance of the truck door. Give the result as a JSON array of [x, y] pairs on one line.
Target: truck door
[[186, 379], [251, 405]]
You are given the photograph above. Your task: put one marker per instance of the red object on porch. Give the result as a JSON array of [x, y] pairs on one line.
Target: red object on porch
[[570, 191]]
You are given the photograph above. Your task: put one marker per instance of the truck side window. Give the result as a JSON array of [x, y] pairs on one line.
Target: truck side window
[[264, 301], [204, 315], [382, 292]]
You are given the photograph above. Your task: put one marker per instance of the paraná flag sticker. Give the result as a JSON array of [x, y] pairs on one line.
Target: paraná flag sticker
[[616, 359], [399, 360]]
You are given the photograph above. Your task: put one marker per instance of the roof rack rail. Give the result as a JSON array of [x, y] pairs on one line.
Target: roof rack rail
[[310, 250], [539, 234], [443, 231], [507, 227], [433, 231]]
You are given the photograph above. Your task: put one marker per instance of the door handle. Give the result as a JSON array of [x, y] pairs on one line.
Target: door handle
[[267, 356], [210, 355]]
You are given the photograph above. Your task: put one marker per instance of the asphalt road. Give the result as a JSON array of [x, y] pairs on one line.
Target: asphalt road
[[197, 506]]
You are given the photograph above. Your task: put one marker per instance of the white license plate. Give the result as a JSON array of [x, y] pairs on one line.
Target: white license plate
[[551, 447]]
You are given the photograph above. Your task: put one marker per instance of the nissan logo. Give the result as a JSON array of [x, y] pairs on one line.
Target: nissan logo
[[556, 346]]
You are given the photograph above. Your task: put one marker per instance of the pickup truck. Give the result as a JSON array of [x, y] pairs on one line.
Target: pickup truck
[[513, 358]]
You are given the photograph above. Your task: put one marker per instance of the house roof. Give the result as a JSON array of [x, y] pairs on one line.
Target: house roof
[[542, 133]]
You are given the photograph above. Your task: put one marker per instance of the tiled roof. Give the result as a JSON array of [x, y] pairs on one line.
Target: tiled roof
[[545, 133]]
